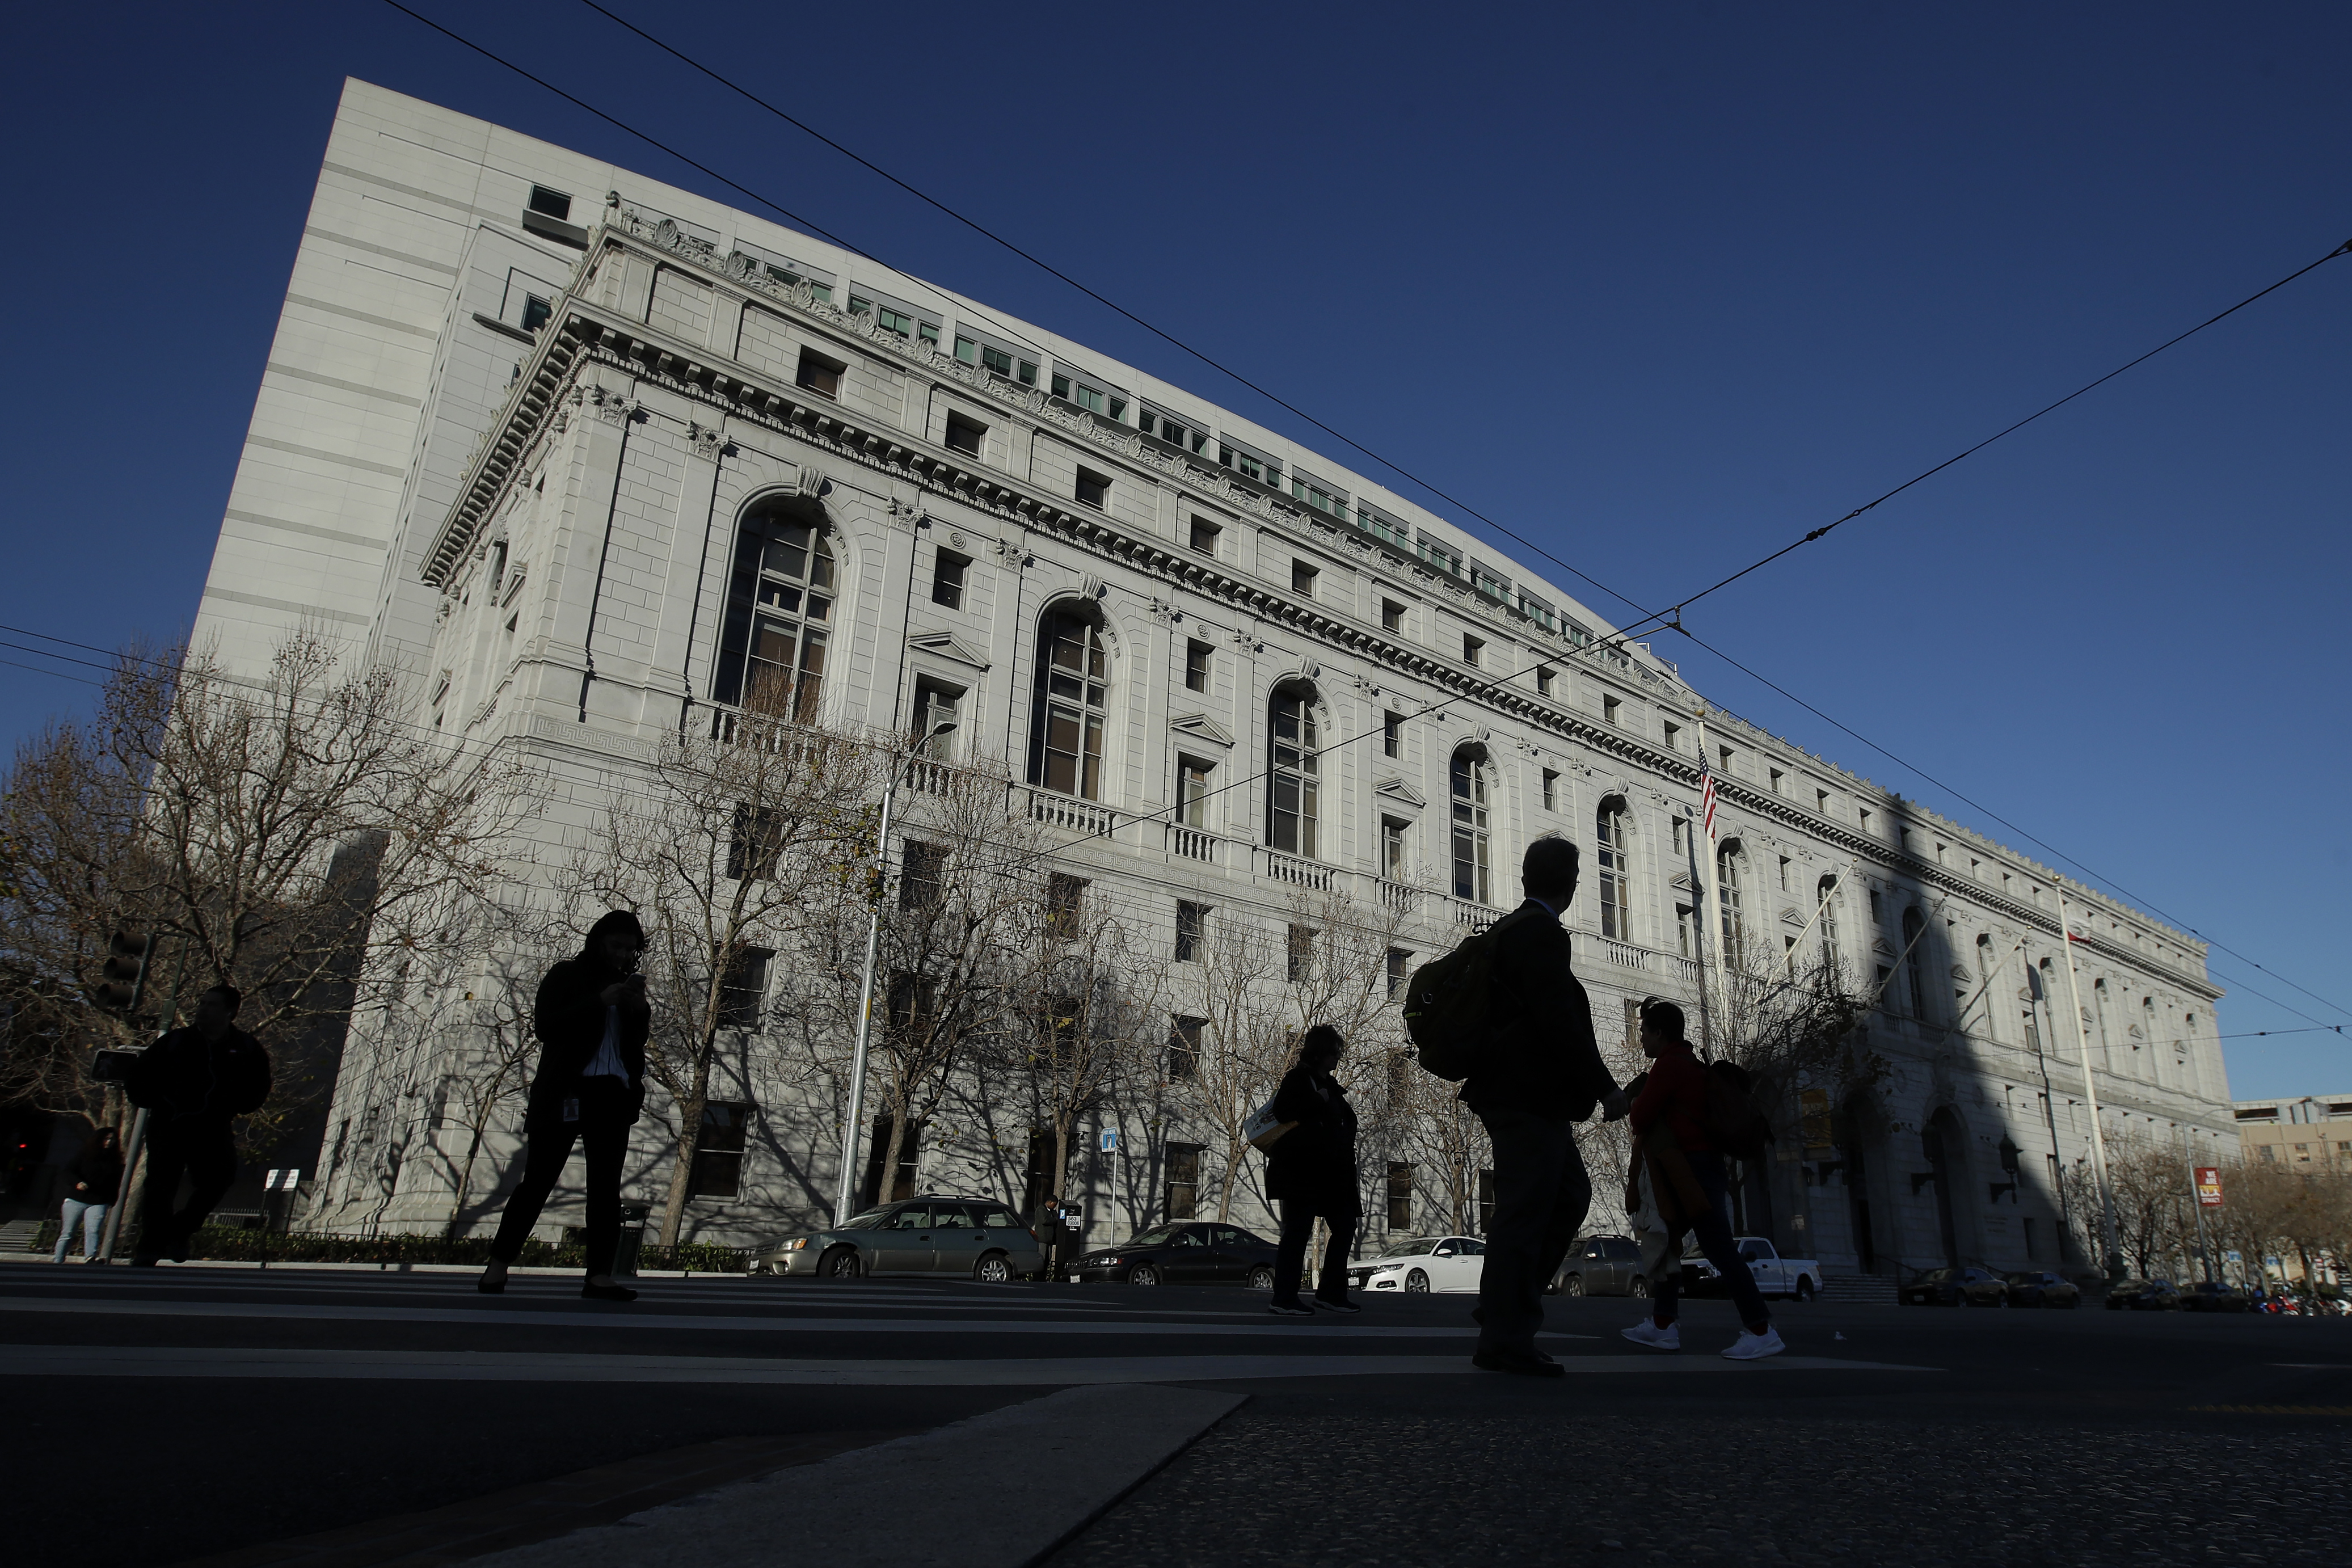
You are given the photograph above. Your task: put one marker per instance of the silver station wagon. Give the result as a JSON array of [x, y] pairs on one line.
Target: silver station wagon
[[937, 1235]]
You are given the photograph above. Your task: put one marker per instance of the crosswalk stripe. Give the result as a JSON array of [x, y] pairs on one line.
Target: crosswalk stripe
[[473, 1366]]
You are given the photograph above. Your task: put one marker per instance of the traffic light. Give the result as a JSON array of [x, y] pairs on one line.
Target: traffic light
[[122, 979]]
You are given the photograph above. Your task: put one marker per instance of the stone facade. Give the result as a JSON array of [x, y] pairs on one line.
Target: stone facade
[[512, 448]]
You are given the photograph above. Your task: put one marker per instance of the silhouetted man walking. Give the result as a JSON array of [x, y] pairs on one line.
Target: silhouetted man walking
[[194, 1082]]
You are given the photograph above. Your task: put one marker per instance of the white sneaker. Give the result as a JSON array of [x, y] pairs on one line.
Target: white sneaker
[[1648, 1333], [1756, 1347]]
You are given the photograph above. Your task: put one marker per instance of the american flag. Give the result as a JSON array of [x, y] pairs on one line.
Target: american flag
[[1706, 798]]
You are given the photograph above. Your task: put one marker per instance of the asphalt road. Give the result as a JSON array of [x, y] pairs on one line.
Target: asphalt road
[[161, 1416]]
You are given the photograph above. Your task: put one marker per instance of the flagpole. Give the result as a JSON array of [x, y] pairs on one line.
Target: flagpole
[[2091, 1094]]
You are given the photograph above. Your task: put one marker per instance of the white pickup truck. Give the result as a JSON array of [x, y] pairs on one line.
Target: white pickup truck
[[1775, 1275]]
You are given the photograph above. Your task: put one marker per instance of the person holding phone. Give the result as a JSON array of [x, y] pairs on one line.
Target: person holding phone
[[592, 1019]]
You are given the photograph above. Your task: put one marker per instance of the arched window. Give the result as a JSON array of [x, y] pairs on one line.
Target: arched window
[[1915, 962], [1292, 767], [779, 609], [1616, 868], [1067, 754], [1826, 894], [1473, 874], [1735, 917]]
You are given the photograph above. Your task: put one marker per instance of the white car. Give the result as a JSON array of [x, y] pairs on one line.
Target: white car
[[1424, 1263], [1775, 1275]]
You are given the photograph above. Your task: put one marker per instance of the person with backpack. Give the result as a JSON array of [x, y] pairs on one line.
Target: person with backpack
[[1504, 1014], [193, 1083], [1310, 1171], [1687, 1116]]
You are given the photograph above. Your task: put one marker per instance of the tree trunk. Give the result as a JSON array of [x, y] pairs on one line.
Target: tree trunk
[[1234, 1147], [690, 1136], [891, 1153], [466, 1173]]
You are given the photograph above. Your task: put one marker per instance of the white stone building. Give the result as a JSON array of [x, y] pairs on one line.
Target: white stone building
[[523, 408]]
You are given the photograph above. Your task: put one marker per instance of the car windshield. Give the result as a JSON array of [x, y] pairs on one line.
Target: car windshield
[[865, 1221], [2025, 1279], [1938, 1275], [1159, 1237], [1412, 1247]]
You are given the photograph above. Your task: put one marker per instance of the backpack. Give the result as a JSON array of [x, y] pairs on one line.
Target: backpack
[[1454, 1006], [1733, 1124]]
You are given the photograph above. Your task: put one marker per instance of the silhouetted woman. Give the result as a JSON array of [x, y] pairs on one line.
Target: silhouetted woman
[[92, 1182], [1311, 1173], [591, 1018]]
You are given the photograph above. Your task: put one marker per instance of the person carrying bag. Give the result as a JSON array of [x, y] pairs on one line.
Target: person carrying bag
[[1308, 1134]]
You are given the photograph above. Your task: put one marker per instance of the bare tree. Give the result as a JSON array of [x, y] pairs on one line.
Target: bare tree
[[732, 846]]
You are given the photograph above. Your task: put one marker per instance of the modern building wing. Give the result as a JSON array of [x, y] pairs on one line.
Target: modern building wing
[[522, 424]]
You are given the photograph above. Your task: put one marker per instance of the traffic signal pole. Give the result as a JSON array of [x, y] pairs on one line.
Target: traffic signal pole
[[138, 1138]]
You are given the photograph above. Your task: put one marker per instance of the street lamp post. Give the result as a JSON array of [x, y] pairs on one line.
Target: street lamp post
[[845, 1189], [2091, 1096]]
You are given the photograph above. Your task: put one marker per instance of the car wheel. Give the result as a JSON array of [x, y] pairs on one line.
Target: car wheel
[[1260, 1278], [1804, 1289], [841, 1263], [1640, 1287], [1143, 1274], [1417, 1282], [994, 1269], [1572, 1285], [2002, 1299]]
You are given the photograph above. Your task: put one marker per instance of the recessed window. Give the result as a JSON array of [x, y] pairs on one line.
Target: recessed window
[[550, 203], [1302, 578], [1193, 791], [819, 374], [780, 610], [1544, 678], [1784, 873], [1393, 830], [1250, 465], [743, 989], [1821, 801], [718, 1170], [1293, 773], [1471, 649], [1184, 1054], [947, 580], [1863, 816], [1197, 655], [1610, 709], [535, 312], [1723, 755], [1674, 737], [1093, 399], [1776, 781], [897, 317], [1191, 921], [1399, 969], [924, 879], [1066, 901], [1319, 496], [1393, 734], [1175, 432], [935, 704], [1874, 905], [996, 361], [1204, 536], [1300, 952], [1392, 615], [1550, 790], [1094, 489], [965, 434]]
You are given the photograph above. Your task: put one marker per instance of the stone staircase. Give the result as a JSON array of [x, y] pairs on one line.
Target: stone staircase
[[1864, 1290], [20, 1236]]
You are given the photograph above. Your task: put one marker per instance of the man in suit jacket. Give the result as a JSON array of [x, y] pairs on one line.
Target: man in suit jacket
[[1540, 1075]]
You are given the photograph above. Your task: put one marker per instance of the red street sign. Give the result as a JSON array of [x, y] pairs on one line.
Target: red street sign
[[2208, 1187]]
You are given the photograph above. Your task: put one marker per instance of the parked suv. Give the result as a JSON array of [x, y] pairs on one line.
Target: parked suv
[[963, 1237], [1601, 1265], [2143, 1296], [2212, 1295]]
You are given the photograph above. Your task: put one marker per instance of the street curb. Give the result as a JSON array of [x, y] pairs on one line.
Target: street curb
[[964, 1496]]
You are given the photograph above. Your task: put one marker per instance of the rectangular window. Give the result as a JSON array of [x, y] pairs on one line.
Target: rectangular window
[[996, 361], [718, 1151], [934, 705], [1204, 537], [1633, 1024], [1183, 1181], [1610, 708], [1250, 465], [1066, 902], [1674, 734], [743, 989], [1438, 554], [1875, 914], [947, 580], [965, 434], [1399, 1196], [551, 203], [1071, 387], [1550, 790], [1093, 490], [1392, 615], [1175, 432], [1400, 971], [1686, 933], [1193, 791], [1302, 578], [1393, 734], [1486, 1200], [912, 1005], [1393, 847], [1544, 678], [1196, 665], [1784, 873], [819, 374], [535, 312], [1192, 921], [1863, 818], [757, 841], [1487, 582], [1471, 649], [922, 878], [1317, 495], [1723, 757], [1681, 836], [1387, 529], [1299, 953], [1821, 801], [1776, 782], [1184, 1049]]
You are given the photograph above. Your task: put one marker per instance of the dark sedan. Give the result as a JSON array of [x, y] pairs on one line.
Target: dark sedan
[[2212, 1295], [2039, 1288], [2143, 1296], [1956, 1287], [1195, 1252]]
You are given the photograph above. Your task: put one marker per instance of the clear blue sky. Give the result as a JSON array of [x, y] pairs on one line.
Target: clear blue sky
[[1661, 287]]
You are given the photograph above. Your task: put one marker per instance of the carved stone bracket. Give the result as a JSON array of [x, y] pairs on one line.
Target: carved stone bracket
[[703, 441]]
